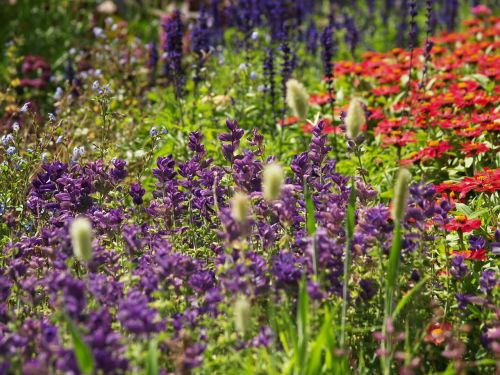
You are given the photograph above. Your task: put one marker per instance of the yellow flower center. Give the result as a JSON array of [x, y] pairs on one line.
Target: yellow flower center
[[433, 143]]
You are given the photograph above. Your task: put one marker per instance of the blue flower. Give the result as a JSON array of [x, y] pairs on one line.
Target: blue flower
[[7, 138]]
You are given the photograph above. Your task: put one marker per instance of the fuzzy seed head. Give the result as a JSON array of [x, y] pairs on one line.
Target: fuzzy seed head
[[400, 194], [242, 315], [272, 181], [297, 98], [355, 118], [240, 207], [81, 238]]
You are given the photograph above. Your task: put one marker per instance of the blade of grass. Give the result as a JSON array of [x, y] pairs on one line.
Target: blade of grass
[[407, 297], [302, 325], [83, 354], [152, 358]]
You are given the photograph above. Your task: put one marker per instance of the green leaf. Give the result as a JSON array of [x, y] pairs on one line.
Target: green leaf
[[393, 267], [468, 162], [82, 351], [407, 297], [310, 219], [464, 209]]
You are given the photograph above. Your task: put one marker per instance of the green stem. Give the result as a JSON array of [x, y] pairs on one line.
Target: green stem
[[350, 217]]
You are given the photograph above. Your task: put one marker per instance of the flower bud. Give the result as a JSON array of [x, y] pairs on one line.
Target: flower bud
[[272, 180], [355, 118], [297, 98], [242, 315], [81, 238], [400, 194], [240, 207]]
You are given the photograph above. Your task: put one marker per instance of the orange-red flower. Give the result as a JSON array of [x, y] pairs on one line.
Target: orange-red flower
[[290, 120], [479, 254]]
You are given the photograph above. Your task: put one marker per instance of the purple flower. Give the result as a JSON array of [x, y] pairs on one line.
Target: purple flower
[[105, 344], [231, 140], [312, 38], [263, 338], [152, 62], [487, 281], [458, 268], [286, 269], [172, 45], [119, 172], [462, 300], [137, 193], [352, 33], [368, 289], [476, 242], [136, 316]]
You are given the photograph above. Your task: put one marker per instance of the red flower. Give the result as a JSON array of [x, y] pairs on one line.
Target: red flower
[[479, 254], [469, 132], [385, 90], [472, 149], [399, 139], [481, 10], [437, 332], [290, 120], [463, 224], [320, 99], [328, 129]]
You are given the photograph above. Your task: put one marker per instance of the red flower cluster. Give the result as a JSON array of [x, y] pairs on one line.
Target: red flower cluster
[[435, 149], [486, 181]]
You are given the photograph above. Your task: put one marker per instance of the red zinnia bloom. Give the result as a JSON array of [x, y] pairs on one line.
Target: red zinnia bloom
[[463, 224], [472, 149], [470, 132]]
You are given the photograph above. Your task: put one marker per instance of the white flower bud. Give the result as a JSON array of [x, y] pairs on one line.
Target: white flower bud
[[81, 238], [297, 98], [240, 206], [355, 118], [400, 194], [242, 315], [272, 181]]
